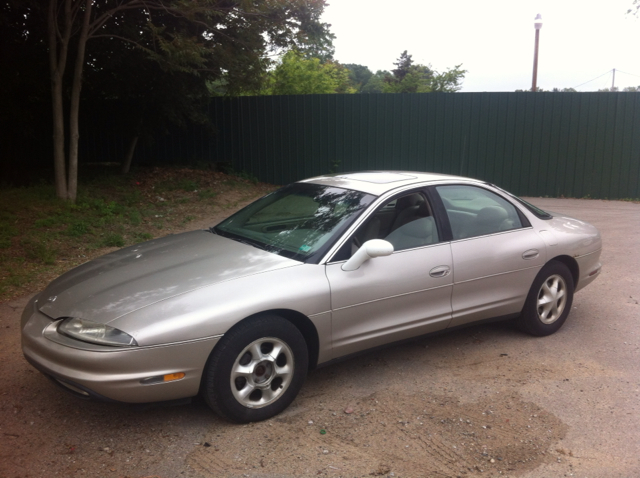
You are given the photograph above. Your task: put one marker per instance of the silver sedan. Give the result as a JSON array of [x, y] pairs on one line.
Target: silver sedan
[[314, 272]]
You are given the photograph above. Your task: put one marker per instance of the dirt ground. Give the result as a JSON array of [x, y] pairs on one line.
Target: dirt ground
[[484, 401]]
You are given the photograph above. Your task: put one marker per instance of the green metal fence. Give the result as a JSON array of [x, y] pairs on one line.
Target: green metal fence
[[536, 144], [542, 144]]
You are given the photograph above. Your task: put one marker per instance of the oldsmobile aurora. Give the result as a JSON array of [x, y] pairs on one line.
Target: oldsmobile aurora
[[318, 270]]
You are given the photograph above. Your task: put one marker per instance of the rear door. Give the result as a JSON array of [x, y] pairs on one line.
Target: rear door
[[496, 253]]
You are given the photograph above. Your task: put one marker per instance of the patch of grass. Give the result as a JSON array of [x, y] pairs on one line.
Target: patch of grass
[[8, 230], [142, 237], [131, 198], [207, 194], [77, 229], [47, 222], [135, 218], [42, 236], [246, 177], [112, 240], [17, 278], [39, 250], [179, 185]]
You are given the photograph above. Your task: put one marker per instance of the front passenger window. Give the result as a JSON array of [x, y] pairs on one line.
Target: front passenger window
[[474, 211]]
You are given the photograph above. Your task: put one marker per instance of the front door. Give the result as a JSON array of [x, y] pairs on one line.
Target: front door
[[395, 297]]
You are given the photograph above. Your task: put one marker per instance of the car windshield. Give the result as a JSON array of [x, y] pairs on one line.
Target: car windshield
[[297, 221]]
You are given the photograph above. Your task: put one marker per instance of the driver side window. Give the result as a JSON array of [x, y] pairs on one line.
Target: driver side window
[[405, 221]]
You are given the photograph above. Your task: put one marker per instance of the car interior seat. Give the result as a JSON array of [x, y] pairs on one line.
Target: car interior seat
[[490, 219], [420, 232], [408, 208]]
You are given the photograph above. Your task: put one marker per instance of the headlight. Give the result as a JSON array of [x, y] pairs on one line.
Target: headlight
[[89, 331]]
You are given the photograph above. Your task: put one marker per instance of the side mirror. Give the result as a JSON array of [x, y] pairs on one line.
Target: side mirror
[[368, 250]]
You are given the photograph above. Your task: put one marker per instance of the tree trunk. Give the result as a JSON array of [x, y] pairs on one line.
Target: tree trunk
[[126, 162], [74, 108], [57, 62], [59, 162]]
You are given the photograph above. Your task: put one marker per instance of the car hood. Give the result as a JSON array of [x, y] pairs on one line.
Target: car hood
[[134, 277]]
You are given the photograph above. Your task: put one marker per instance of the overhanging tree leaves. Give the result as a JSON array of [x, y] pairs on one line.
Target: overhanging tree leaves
[[209, 39]]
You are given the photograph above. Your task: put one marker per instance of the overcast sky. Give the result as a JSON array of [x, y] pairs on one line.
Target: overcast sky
[[494, 39]]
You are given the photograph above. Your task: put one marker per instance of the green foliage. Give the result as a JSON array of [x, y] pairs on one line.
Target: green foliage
[[376, 83], [407, 77], [411, 78], [359, 76], [161, 59], [403, 66], [297, 75], [614, 89], [448, 81]]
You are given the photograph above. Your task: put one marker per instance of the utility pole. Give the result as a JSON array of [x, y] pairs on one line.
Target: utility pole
[[613, 81]]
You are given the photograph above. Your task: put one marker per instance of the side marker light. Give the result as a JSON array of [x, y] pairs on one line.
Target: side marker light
[[173, 376]]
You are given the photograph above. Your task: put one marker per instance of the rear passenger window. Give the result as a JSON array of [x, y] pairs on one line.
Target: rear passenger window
[[474, 211]]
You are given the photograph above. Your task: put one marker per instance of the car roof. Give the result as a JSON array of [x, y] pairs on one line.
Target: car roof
[[379, 182]]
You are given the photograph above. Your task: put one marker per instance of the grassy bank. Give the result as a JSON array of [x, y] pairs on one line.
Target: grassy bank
[[41, 236]]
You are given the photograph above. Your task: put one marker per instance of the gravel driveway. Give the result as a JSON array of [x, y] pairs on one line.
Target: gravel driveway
[[484, 401]]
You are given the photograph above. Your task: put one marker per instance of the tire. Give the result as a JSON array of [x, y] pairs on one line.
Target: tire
[[549, 301], [243, 381]]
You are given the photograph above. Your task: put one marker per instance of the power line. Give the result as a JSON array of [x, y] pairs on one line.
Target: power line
[[630, 74], [605, 73]]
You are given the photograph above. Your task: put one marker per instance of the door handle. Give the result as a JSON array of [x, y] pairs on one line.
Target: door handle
[[440, 271], [530, 254]]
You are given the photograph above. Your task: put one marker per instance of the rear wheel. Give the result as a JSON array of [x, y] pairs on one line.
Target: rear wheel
[[549, 301], [256, 370]]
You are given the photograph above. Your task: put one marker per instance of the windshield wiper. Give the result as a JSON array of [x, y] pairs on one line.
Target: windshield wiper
[[250, 243], [245, 241]]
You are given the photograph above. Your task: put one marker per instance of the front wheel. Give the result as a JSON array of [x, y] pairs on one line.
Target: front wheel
[[256, 370], [549, 301]]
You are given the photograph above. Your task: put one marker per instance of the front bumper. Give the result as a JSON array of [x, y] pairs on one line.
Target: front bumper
[[112, 373], [590, 268]]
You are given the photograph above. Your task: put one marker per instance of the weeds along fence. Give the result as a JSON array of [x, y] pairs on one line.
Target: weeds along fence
[[542, 144]]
